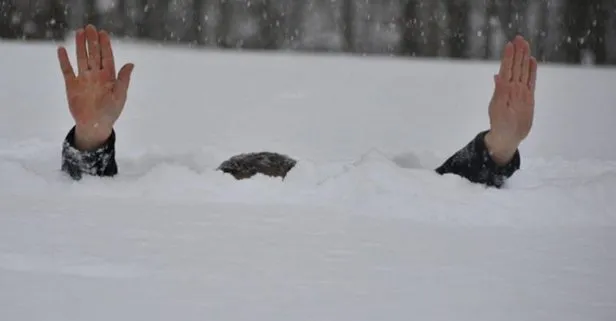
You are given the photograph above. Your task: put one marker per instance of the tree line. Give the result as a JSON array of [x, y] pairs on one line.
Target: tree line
[[566, 31]]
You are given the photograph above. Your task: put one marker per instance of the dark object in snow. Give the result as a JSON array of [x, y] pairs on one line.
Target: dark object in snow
[[473, 162], [267, 163]]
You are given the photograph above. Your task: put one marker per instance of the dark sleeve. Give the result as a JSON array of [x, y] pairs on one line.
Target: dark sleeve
[[99, 162], [474, 163]]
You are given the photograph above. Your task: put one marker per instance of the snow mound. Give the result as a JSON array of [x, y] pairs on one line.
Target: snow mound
[[362, 228], [545, 193]]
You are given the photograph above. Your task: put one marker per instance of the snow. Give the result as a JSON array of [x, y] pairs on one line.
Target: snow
[[361, 229]]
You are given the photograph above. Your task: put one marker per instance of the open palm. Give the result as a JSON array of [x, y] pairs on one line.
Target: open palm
[[512, 106], [95, 96]]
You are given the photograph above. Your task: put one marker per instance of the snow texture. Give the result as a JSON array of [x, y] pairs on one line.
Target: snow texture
[[362, 228]]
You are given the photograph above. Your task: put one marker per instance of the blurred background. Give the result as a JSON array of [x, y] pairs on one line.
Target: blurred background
[[560, 31]]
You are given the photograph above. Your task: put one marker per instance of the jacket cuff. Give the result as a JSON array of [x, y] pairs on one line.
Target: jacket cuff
[[77, 162], [482, 151]]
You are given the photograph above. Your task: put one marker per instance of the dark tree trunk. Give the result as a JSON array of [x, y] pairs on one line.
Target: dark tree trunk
[[431, 28], [458, 27], [597, 21], [503, 9], [490, 11], [543, 30], [410, 45], [153, 24], [121, 18], [226, 19], [195, 35], [512, 16], [295, 24], [348, 20], [270, 25], [8, 29], [57, 23], [144, 8], [575, 22], [91, 16]]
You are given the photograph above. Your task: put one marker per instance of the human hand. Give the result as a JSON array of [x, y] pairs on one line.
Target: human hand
[[96, 97], [511, 109]]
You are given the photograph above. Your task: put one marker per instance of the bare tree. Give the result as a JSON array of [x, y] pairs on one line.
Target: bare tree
[[457, 27], [585, 26], [412, 29], [543, 29], [153, 24], [610, 31], [348, 18], [294, 20], [596, 22], [8, 26], [512, 16], [224, 27], [490, 11], [432, 16], [422, 31], [270, 24], [571, 31], [54, 20], [197, 26]]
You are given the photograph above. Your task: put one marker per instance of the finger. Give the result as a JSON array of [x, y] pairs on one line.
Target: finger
[[506, 62], [121, 86], [532, 81], [497, 85], [500, 89], [94, 50], [65, 64], [82, 54], [526, 64], [108, 63], [517, 59]]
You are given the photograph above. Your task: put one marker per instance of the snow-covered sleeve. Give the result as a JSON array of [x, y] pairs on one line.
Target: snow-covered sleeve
[[99, 162], [474, 163]]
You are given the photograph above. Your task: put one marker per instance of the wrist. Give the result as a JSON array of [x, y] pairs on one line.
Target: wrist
[[501, 149], [91, 137]]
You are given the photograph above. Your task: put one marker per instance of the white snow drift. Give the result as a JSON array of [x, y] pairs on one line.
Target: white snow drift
[[361, 229]]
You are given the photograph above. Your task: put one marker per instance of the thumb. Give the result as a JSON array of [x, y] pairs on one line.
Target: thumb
[[121, 86]]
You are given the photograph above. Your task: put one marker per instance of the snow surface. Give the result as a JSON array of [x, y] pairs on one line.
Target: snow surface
[[361, 229]]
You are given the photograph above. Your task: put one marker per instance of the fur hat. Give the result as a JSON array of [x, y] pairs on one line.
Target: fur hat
[[267, 163]]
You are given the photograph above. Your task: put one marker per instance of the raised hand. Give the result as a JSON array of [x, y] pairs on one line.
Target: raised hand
[[512, 105], [96, 97]]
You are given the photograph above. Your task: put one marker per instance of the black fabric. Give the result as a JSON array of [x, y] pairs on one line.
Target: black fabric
[[99, 162], [474, 163]]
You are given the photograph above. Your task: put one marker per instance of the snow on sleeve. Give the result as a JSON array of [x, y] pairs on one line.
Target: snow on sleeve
[[99, 162], [474, 163]]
